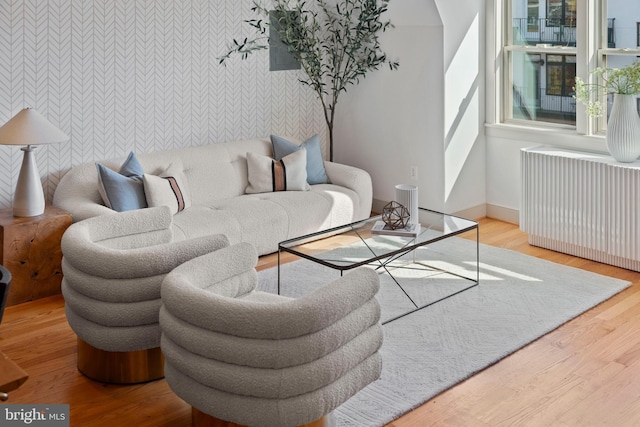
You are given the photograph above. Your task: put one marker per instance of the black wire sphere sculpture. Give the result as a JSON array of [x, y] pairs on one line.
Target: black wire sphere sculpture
[[395, 215]]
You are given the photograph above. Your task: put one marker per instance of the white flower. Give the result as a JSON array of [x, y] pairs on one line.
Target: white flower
[[624, 80]]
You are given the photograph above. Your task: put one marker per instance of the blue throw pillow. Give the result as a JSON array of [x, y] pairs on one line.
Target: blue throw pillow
[[123, 190], [315, 163]]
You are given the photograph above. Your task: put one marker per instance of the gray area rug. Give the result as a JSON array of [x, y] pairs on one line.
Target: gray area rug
[[519, 299]]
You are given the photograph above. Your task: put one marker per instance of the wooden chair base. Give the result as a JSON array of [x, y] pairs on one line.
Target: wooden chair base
[[115, 367], [200, 419]]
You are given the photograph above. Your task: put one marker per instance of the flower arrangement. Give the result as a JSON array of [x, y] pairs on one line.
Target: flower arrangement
[[623, 81]]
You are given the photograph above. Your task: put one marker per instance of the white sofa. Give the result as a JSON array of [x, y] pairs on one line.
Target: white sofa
[[217, 179]]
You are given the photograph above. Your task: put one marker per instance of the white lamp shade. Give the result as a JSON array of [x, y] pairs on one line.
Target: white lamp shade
[[29, 127]]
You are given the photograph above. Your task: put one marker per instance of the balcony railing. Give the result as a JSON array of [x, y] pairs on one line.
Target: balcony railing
[[543, 30], [535, 104], [553, 31]]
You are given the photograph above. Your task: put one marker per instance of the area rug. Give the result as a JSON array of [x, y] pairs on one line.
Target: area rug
[[519, 299]]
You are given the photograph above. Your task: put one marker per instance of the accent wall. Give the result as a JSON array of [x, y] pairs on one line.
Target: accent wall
[[141, 75]]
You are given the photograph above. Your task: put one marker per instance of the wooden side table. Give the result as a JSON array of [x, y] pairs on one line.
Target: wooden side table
[[30, 250]]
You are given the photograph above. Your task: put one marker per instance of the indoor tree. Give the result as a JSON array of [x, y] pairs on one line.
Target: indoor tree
[[335, 44]]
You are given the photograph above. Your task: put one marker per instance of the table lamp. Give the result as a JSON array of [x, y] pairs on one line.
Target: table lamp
[[29, 128]]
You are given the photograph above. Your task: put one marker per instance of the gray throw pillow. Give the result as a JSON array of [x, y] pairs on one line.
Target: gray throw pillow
[[123, 190]]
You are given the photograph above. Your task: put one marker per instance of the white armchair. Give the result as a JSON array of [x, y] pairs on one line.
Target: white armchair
[[253, 358], [113, 267]]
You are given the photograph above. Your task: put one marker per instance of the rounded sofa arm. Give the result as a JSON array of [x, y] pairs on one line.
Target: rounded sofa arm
[[146, 231], [77, 193], [355, 179]]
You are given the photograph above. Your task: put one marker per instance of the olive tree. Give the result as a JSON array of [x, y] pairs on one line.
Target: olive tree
[[336, 44]]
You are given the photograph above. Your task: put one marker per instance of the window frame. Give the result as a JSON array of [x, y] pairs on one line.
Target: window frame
[[591, 50]]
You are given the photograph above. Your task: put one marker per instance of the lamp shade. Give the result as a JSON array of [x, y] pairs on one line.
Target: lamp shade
[[29, 127]]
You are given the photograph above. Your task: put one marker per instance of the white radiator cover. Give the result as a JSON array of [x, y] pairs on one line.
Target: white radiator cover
[[583, 204]]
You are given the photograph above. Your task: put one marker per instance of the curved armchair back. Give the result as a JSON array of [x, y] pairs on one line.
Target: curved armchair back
[[255, 358], [113, 268]]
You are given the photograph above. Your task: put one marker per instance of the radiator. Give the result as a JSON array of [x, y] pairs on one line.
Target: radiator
[[587, 205]]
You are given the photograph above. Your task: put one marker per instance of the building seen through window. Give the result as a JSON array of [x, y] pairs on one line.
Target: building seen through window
[[542, 54]]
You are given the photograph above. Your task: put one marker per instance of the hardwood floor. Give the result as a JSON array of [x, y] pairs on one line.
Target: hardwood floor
[[585, 373]]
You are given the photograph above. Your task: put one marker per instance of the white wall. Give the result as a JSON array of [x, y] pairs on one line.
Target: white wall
[[464, 55], [503, 172], [121, 75], [427, 113]]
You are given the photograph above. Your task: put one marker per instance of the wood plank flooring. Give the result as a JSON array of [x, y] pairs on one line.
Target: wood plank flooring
[[585, 373]]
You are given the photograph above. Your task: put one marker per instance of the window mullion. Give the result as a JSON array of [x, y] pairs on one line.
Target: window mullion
[[586, 58]]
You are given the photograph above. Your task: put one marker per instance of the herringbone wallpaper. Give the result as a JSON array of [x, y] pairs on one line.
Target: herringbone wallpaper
[[142, 75]]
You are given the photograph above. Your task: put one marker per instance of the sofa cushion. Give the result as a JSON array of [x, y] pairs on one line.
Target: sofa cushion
[[316, 173], [282, 215], [170, 188], [248, 218], [287, 174], [123, 190]]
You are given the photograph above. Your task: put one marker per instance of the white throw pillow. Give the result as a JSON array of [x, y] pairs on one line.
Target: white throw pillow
[[287, 174], [168, 189]]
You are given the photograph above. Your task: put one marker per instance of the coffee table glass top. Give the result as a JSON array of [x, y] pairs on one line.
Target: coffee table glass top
[[350, 246], [319, 246]]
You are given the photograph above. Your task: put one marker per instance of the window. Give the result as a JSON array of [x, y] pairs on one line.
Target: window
[[561, 12], [622, 48], [533, 15], [561, 74], [548, 44]]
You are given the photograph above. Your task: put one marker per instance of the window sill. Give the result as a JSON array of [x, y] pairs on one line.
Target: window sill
[[557, 137]]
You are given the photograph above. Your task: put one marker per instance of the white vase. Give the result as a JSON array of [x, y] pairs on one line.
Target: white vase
[[407, 196], [623, 129]]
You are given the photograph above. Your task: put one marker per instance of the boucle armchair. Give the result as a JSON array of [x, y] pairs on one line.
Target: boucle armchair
[[113, 267], [253, 358]]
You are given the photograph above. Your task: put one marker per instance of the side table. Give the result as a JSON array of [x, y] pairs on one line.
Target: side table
[[30, 250]]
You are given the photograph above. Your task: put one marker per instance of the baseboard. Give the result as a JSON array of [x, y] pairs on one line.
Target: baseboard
[[503, 214], [473, 213], [377, 205], [485, 210]]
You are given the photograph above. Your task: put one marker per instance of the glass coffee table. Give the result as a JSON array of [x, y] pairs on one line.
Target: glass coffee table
[[353, 245]]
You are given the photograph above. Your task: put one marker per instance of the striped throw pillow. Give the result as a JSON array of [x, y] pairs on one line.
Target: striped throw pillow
[[266, 175], [168, 189]]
